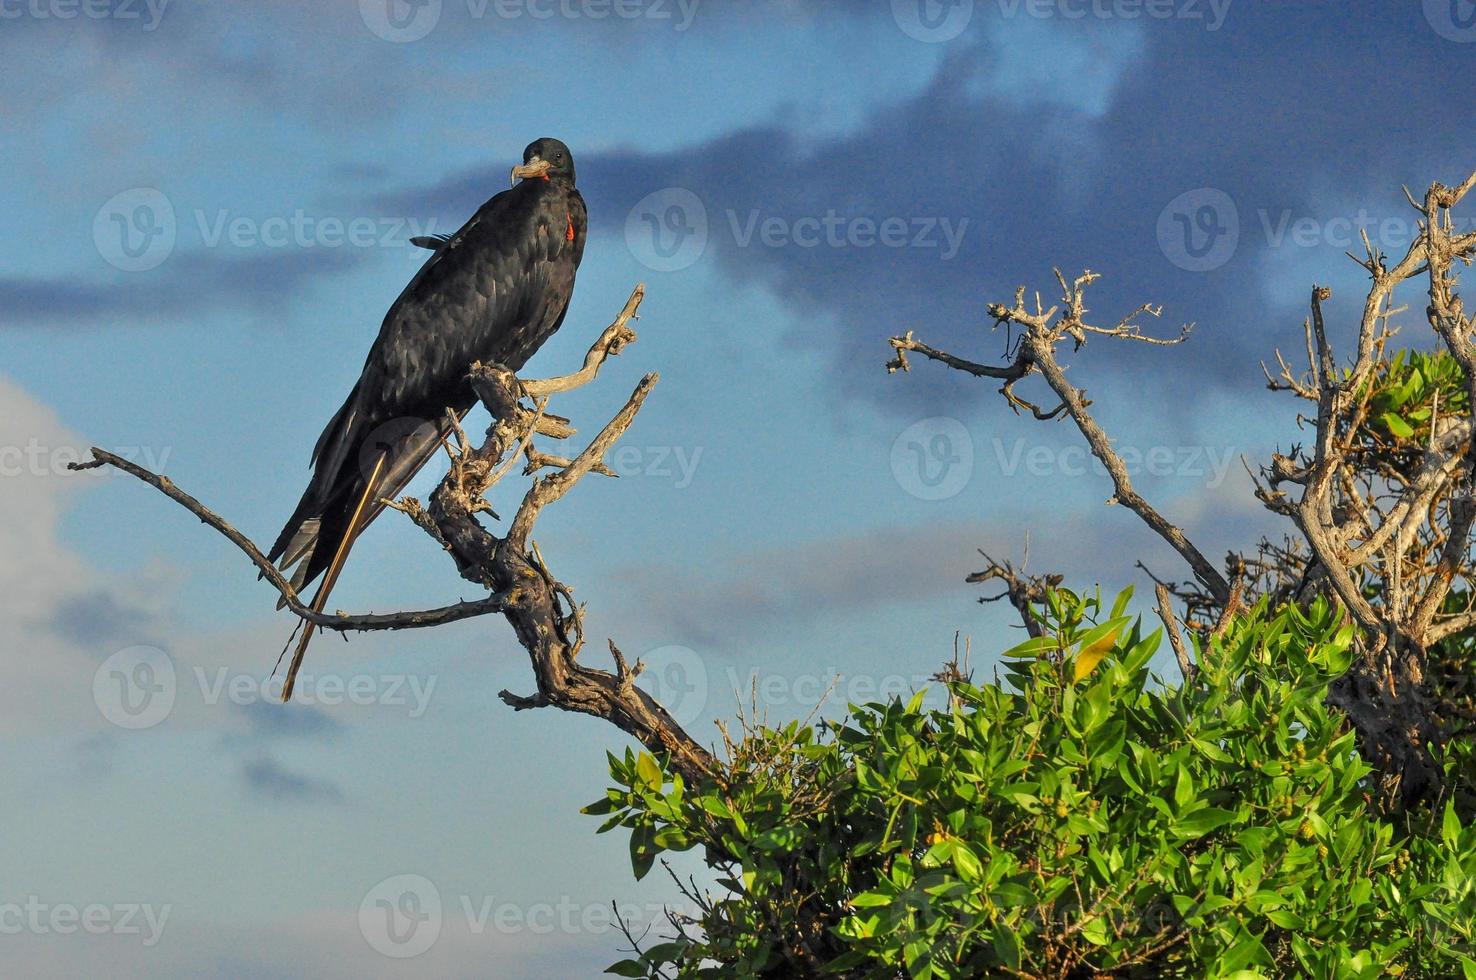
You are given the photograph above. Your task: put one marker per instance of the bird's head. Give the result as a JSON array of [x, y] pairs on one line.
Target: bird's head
[[545, 159]]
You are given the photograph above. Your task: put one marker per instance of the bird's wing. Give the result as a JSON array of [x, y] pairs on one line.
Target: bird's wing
[[494, 290]]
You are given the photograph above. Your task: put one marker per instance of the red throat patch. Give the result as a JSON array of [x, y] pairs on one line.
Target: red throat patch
[[569, 236]]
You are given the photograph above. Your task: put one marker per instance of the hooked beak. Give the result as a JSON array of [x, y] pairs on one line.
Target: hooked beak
[[535, 167]]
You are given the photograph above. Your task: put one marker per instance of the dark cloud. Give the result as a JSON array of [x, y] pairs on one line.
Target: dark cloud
[[268, 720], [267, 779], [201, 283], [100, 623], [269, 723], [97, 755], [1048, 179]]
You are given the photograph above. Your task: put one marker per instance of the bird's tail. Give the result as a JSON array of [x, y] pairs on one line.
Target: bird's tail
[[342, 501], [356, 524]]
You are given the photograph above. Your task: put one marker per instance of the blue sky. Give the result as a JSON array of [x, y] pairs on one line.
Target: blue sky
[[794, 182]]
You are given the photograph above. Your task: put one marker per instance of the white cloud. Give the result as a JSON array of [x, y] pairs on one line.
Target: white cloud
[[48, 673]]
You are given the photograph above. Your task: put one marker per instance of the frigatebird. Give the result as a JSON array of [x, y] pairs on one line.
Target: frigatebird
[[492, 292]]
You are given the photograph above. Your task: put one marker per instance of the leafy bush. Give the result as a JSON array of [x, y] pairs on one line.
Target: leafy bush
[[1403, 395], [1075, 817]]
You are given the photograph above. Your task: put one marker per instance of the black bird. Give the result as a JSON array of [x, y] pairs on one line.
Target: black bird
[[494, 291]]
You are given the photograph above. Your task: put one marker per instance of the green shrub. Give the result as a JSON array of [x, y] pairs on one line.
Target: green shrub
[[1076, 817]]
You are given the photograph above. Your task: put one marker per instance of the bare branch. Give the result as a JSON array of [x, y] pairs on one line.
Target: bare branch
[[1023, 591], [610, 343], [1171, 628], [1044, 330], [342, 622]]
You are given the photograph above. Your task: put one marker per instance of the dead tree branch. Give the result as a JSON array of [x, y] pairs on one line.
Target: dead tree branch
[[520, 586], [1045, 329], [1023, 591], [1171, 628]]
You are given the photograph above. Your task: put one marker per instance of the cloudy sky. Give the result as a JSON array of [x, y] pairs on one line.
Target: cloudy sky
[[208, 210]]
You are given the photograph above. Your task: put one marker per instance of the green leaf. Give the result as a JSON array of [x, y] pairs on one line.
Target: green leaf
[[1095, 931], [642, 851], [1397, 425], [1033, 647], [1450, 825], [1183, 788], [649, 770], [1201, 822], [599, 807], [966, 862], [1007, 946], [1285, 919], [715, 806]]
